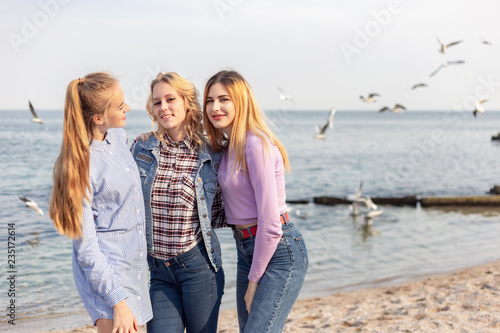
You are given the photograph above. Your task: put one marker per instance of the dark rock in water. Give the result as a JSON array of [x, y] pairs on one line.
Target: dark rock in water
[[402, 201], [304, 201], [495, 189], [461, 201], [330, 201], [496, 137]]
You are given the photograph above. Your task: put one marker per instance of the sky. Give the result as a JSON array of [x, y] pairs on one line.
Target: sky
[[322, 53]]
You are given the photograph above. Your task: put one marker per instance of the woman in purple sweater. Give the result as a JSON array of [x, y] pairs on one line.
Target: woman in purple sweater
[[272, 257]]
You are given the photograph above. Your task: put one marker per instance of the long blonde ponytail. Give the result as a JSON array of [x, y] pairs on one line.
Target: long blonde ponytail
[[84, 98]]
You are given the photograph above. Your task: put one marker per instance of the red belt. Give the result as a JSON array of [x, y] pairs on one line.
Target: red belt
[[252, 231]]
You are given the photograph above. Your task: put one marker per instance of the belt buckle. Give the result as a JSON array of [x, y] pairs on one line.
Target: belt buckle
[[238, 234]]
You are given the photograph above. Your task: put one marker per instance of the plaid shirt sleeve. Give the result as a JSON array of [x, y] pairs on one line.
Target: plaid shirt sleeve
[[218, 215]]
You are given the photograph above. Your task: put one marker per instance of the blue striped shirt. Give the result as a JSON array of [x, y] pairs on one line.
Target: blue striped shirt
[[109, 260]]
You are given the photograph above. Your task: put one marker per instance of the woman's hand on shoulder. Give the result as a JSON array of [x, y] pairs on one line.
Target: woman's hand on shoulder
[[144, 136], [123, 319]]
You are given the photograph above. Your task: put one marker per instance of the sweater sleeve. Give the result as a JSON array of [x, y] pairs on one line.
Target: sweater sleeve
[[261, 167]]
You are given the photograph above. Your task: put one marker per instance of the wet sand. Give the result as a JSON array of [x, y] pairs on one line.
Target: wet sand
[[463, 301]]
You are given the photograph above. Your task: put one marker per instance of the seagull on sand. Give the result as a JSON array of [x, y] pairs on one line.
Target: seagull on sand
[[418, 85], [445, 46], [398, 108], [445, 64], [284, 96], [479, 108], [370, 216], [370, 98], [35, 116], [329, 123], [31, 204]]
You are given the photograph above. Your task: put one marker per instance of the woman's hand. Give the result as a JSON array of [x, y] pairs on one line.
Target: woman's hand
[[250, 294], [144, 136], [123, 319]]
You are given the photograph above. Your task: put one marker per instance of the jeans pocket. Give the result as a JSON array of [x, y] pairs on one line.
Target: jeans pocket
[[197, 263], [303, 251]]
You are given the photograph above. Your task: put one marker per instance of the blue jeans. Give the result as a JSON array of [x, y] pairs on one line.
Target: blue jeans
[[185, 293], [279, 287]]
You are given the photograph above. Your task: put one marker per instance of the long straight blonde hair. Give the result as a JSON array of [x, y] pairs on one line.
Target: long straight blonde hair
[[194, 117], [85, 98], [248, 117]]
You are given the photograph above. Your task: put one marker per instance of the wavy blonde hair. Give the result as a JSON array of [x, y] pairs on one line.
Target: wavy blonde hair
[[85, 98], [248, 117], [194, 117]]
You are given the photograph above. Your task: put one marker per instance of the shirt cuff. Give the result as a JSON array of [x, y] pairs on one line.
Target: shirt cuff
[[114, 297]]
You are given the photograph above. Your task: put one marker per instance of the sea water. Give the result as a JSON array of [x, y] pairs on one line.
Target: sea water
[[440, 153]]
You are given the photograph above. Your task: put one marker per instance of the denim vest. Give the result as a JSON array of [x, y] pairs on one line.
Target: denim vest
[[146, 154]]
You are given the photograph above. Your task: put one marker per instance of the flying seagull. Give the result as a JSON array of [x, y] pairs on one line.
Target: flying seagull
[[297, 213], [370, 216], [35, 116], [418, 85], [445, 46], [357, 194], [284, 96], [364, 199], [34, 241], [398, 108], [32, 205], [321, 130], [479, 108], [445, 64], [484, 41], [370, 98]]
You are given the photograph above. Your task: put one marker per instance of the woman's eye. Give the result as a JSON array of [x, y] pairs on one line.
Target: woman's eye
[[156, 103], [209, 102], [170, 99]]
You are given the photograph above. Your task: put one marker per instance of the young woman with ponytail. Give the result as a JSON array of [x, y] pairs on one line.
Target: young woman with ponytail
[[97, 201]]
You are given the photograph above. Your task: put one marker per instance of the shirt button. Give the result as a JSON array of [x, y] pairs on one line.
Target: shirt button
[[199, 179], [209, 233], [202, 198], [140, 255], [139, 297], [138, 276], [204, 216], [140, 232], [167, 264]]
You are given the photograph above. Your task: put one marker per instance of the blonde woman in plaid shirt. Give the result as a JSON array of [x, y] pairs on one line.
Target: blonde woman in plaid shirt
[[183, 205]]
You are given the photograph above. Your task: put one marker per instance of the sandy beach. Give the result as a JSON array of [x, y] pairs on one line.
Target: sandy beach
[[463, 301]]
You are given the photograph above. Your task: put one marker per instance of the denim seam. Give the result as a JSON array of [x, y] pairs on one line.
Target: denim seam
[[302, 252], [207, 314], [283, 292]]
